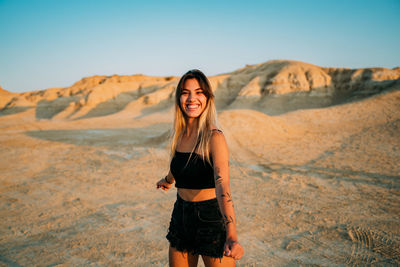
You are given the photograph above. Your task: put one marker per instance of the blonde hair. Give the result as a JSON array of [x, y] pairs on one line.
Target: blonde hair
[[206, 121]]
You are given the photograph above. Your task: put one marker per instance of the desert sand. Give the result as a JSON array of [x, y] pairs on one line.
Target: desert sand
[[314, 167]]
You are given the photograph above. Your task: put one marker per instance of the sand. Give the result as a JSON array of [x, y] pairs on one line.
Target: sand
[[315, 174]]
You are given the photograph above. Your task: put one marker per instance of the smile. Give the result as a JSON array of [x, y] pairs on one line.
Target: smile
[[192, 106]]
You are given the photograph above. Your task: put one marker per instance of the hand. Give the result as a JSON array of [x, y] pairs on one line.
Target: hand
[[233, 249], [163, 184]]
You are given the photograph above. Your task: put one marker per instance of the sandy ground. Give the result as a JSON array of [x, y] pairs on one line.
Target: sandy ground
[[311, 187]]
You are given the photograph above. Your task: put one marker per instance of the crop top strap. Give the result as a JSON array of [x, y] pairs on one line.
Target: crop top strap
[[216, 130]]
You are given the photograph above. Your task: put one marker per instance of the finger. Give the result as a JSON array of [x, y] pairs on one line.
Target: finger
[[233, 254], [236, 254], [238, 257], [236, 251]]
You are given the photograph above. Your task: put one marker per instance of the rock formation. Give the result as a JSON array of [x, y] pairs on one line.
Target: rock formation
[[274, 87]]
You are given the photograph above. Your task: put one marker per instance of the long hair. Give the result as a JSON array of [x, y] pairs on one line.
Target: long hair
[[206, 120]]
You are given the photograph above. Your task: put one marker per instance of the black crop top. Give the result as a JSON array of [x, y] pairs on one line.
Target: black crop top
[[197, 174]]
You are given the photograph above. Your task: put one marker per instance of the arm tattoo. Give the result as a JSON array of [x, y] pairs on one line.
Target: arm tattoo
[[228, 220], [228, 197], [218, 178]]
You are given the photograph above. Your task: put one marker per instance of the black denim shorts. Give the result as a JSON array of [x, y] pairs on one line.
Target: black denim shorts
[[197, 227]]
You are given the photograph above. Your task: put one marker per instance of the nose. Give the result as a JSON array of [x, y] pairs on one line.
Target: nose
[[190, 97]]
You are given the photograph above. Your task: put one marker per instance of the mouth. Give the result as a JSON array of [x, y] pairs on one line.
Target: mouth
[[192, 107]]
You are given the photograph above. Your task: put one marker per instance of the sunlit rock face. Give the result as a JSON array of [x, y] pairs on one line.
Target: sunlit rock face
[[273, 87]]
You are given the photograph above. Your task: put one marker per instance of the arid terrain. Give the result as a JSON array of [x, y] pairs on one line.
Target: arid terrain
[[314, 167]]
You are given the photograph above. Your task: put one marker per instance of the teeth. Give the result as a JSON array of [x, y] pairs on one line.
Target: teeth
[[192, 106]]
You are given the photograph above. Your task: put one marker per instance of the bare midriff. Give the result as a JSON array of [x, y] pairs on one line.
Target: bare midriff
[[196, 194]]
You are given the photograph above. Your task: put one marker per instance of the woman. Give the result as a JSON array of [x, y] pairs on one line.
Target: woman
[[203, 219]]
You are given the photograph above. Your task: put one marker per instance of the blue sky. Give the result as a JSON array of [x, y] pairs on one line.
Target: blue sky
[[55, 43]]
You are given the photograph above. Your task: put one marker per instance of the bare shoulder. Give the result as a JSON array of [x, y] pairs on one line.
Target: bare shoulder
[[218, 142], [217, 136]]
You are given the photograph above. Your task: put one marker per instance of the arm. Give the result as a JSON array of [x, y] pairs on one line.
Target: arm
[[220, 155], [165, 183]]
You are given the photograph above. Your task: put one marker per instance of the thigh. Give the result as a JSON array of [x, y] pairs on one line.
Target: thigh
[[217, 262], [179, 258]]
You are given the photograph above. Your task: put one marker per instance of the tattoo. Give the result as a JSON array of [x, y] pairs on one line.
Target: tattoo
[[228, 221], [218, 178], [228, 197]]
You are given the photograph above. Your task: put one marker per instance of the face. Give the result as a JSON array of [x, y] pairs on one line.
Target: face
[[193, 100]]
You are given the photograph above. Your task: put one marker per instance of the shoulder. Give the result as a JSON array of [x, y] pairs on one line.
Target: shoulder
[[217, 142], [217, 135]]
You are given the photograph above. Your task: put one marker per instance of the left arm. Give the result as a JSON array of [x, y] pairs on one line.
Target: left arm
[[220, 156]]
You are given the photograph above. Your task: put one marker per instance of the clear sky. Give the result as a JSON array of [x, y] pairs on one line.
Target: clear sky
[[55, 43]]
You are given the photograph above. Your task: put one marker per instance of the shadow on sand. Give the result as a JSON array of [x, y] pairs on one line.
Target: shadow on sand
[[153, 136]]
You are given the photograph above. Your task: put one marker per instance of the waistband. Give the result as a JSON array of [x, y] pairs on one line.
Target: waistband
[[196, 203]]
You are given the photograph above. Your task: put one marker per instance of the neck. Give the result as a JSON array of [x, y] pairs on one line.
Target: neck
[[191, 126]]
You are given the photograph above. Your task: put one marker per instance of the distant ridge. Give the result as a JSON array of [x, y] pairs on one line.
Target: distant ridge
[[3, 91], [273, 87]]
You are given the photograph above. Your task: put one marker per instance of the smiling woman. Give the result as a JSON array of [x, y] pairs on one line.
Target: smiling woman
[[192, 100], [203, 218]]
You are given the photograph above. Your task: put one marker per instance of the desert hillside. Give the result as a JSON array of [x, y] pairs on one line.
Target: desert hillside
[[273, 87], [314, 167]]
